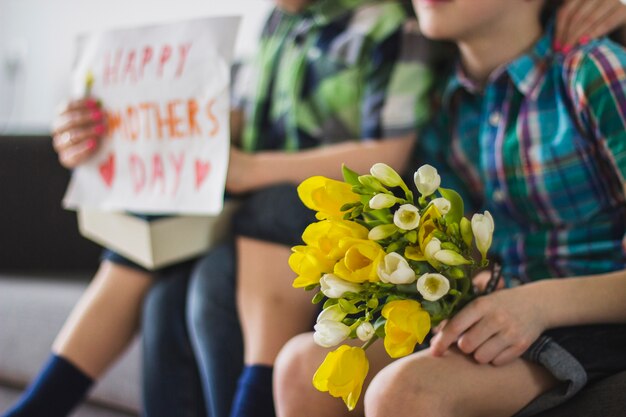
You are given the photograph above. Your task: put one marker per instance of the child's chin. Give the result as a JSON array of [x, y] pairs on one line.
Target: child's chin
[[435, 32]]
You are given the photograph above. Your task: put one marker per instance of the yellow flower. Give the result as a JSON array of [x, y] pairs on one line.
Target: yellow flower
[[310, 264], [342, 374], [326, 196], [360, 264], [425, 233], [326, 235], [407, 324]]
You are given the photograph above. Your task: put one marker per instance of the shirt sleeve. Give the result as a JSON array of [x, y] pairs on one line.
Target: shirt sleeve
[[597, 84]]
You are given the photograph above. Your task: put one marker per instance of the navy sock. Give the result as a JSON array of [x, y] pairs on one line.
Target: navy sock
[[58, 388], [254, 393]]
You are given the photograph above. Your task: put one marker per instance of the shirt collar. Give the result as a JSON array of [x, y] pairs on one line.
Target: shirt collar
[[526, 72]]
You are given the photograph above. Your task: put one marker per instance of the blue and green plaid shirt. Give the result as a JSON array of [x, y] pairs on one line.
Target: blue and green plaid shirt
[[341, 70], [543, 147]]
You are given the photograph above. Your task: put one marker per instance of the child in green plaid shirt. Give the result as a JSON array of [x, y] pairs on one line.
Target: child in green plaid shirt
[[538, 138]]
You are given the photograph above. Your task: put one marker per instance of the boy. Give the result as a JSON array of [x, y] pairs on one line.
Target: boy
[[538, 139]]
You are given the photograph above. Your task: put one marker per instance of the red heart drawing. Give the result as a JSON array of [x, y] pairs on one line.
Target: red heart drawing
[[202, 171], [107, 170]]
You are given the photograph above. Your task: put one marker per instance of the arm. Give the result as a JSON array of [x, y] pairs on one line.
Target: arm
[[499, 327], [252, 171]]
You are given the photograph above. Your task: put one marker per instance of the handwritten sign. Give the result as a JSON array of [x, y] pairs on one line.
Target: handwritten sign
[[165, 90]]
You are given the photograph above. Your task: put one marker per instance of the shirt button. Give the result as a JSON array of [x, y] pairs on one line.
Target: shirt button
[[498, 195], [494, 118]]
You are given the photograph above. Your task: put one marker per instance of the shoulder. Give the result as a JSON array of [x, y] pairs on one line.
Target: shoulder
[[378, 19], [600, 64]]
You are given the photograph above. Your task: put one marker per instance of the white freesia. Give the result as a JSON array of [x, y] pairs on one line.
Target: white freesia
[[332, 313], [365, 331], [382, 231], [432, 247], [329, 333], [407, 217], [381, 201], [482, 227], [334, 287], [442, 204], [395, 270], [427, 180], [433, 286], [451, 258], [385, 174]]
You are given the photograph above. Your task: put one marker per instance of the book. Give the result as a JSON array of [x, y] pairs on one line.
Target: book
[[156, 243]]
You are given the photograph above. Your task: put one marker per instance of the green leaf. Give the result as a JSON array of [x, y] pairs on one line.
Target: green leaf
[[347, 306], [311, 287], [318, 297], [456, 205], [349, 176], [432, 307], [329, 303], [379, 327]]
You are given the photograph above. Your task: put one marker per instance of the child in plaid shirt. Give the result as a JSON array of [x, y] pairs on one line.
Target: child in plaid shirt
[[537, 137]]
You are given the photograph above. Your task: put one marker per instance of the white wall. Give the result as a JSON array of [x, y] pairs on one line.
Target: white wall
[[37, 45]]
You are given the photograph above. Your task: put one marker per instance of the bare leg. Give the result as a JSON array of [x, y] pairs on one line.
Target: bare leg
[[294, 394], [105, 319], [271, 311], [454, 386]]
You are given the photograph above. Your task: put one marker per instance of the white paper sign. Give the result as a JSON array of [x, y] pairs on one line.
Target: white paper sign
[[165, 90]]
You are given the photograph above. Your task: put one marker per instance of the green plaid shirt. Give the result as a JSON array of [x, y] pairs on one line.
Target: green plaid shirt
[[543, 148], [341, 70]]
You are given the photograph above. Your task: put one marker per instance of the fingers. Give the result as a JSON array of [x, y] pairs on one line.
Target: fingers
[[591, 18], [579, 21], [453, 330], [564, 21], [73, 156], [77, 130]]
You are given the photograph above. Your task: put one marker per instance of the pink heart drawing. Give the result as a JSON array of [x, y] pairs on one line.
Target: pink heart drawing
[[107, 170], [202, 171]]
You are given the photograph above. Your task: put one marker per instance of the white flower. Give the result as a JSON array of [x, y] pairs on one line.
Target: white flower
[[433, 286], [482, 226], [381, 201], [407, 217], [382, 231], [450, 258], [335, 287], [433, 246], [442, 204], [329, 333], [365, 331], [385, 174], [332, 313], [395, 270], [427, 180]]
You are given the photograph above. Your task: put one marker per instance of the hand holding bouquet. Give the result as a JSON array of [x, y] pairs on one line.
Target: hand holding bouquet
[[391, 266]]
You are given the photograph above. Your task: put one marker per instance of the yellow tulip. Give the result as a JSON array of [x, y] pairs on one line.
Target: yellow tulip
[[310, 264], [326, 235], [326, 196], [342, 374], [360, 263], [407, 325]]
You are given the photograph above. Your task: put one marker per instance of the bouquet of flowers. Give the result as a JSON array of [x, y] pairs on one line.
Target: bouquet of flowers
[[389, 265]]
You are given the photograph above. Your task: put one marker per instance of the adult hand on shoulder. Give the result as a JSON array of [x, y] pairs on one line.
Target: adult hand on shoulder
[[495, 328], [77, 130], [579, 21]]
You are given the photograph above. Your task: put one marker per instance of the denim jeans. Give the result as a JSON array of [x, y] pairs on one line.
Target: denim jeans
[[193, 348], [192, 335]]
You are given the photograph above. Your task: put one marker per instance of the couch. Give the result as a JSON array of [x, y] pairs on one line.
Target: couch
[[44, 267]]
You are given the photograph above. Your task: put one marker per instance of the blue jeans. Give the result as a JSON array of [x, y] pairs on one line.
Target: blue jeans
[[193, 348]]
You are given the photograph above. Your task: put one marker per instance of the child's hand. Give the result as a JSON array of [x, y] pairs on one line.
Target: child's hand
[[77, 131], [579, 21], [496, 328]]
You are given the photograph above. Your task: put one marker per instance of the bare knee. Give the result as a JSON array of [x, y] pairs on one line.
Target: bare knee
[[402, 389]]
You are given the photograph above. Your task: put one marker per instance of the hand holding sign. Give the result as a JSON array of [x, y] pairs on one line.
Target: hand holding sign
[[165, 94]]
